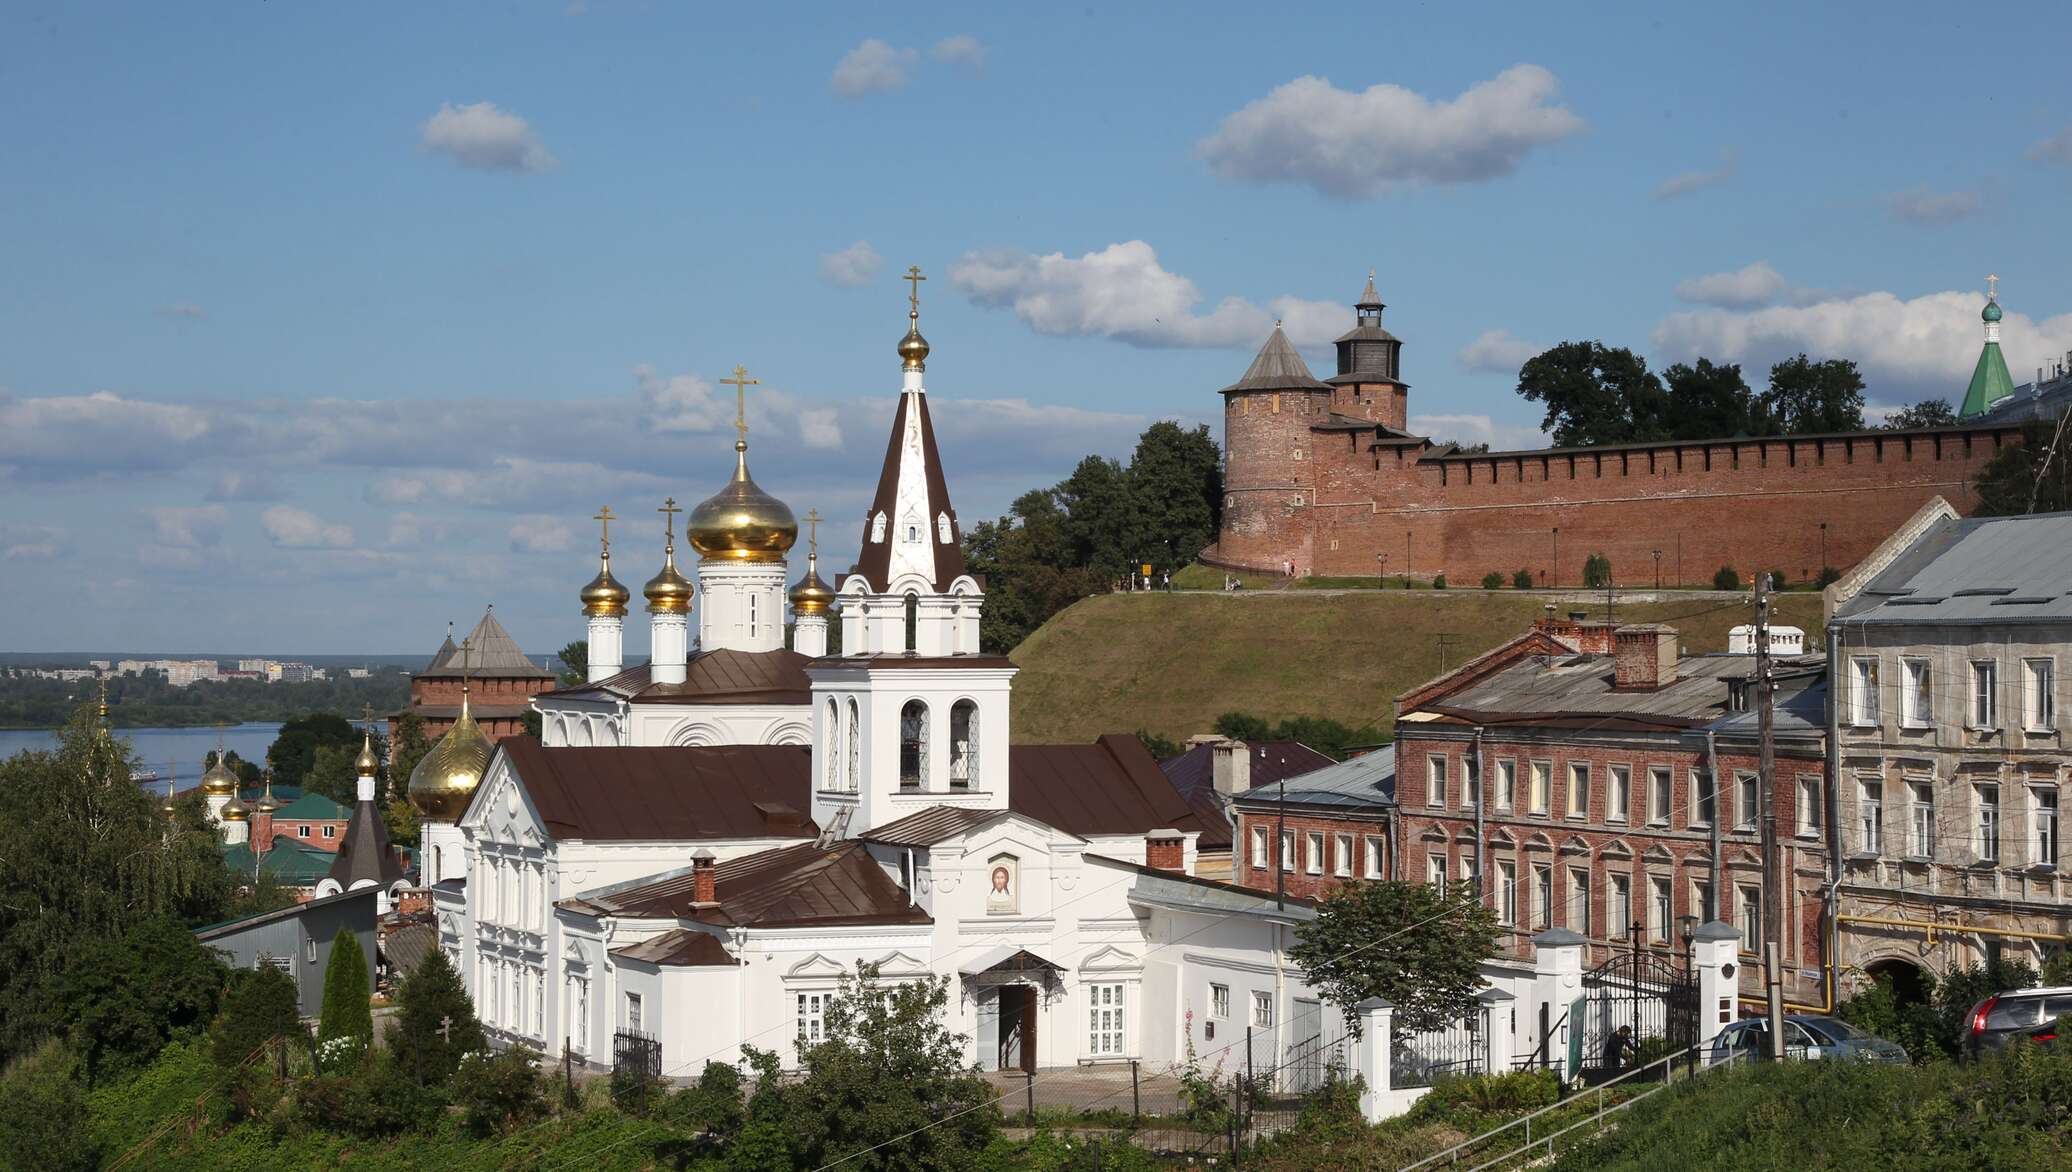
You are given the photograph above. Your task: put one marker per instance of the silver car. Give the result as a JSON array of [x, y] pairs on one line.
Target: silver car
[[1806, 1036]]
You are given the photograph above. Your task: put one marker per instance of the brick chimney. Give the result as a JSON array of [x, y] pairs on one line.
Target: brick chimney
[[1166, 850], [704, 879], [1644, 657]]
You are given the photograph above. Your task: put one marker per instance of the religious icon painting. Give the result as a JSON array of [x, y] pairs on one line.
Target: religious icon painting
[[1003, 891]]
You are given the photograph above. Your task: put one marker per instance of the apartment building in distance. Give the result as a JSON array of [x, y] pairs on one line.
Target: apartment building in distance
[[1950, 743]]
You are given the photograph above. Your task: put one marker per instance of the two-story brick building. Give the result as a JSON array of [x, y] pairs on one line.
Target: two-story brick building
[[1622, 791], [1305, 834], [1951, 745]]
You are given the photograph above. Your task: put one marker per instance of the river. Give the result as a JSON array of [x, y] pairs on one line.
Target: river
[[160, 750]]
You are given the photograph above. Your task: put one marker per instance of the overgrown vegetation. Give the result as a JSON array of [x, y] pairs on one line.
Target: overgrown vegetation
[[1332, 738]]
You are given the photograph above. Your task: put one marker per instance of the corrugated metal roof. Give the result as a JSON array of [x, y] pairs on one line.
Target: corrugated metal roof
[[1800, 712], [1975, 570], [1364, 782], [408, 946], [1277, 368], [725, 676], [1580, 686], [1109, 787], [674, 793]]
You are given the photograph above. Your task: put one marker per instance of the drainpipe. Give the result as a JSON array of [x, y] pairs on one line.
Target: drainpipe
[[1718, 875], [1481, 800]]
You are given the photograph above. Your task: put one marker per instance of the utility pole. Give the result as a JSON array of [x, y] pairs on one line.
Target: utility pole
[[1766, 772]]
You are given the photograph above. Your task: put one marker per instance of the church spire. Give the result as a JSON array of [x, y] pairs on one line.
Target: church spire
[[1990, 381], [911, 531]]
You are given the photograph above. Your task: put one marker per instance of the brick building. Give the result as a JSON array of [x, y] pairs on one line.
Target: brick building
[[501, 683], [1215, 769], [1324, 474], [1311, 832], [1601, 747]]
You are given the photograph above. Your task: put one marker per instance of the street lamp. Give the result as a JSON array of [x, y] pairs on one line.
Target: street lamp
[[1384, 560], [1823, 549], [1658, 567], [1687, 926]]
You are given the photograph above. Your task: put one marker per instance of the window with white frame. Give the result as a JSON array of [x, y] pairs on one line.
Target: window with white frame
[[1435, 872], [1578, 790], [1470, 782], [1658, 796], [2038, 711], [1863, 691], [1579, 900], [1659, 912], [1542, 895], [1988, 822], [1921, 829], [1704, 800], [1262, 1011], [1749, 905], [633, 1012], [1342, 855], [579, 1011], [1219, 1001], [1435, 780], [1985, 692], [1748, 800], [1506, 893], [1373, 844], [1259, 851], [1506, 784], [2046, 799], [539, 1004], [1542, 785], [1809, 807], [1618, 792], [812, 1016], [1701, 901], [1917, 703], [1621, 909], [1287, 850], [1870, 817], [1467, 872], [330, 830], [1105, 1024], [1313, 844]]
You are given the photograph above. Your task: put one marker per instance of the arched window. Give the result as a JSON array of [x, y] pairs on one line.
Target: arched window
[[913, 745], [913, 621], [831, 747], [964, 745], [851, 777]]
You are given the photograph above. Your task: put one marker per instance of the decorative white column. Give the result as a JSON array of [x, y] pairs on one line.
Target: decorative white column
[[1371, 1057], [669, 633], [1557, 982], [607, 645], [742, 608], [1497, 1007], [809, 635], [604, 600], [1714, 949]]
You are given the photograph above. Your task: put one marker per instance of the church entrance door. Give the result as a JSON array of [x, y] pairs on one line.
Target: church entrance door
[[1017, 1028]]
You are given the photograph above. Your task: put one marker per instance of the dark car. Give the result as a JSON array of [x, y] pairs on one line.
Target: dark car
[[1806, 1036], [2020, 1014]]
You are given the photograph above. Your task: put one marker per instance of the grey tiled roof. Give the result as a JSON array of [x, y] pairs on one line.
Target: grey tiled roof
[[1362, 782], [493, 653], [1278, 368], [1974, 570]]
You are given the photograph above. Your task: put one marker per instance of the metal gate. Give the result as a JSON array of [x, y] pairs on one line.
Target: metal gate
[[1640, 993]]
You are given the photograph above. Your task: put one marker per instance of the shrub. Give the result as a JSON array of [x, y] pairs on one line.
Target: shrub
[[1597, 571], [1828, 577], [711, 1106], [259, 1015], [430, 996], [498, 1091], [1728, 578], [346, 1015], [43, 1116], [122, 999], [1464, 1099], [1521, 579], [376, 1098], [1493, 580], [1438, 581]]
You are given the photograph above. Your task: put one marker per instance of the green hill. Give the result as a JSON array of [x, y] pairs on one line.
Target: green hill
[[1172, 663]]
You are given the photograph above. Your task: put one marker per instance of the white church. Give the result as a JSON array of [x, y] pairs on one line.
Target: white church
[[696, 849]]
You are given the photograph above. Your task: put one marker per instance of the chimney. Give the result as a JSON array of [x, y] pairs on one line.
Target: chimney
[[1232, 762], [704, 879], [1166, 850], [1644, 657]]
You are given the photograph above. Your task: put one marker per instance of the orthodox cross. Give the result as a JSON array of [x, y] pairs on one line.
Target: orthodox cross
[[605, 515], [467, 649], [741, 382], [1992, 286], [813, 532], [913, 279], [669, 512]]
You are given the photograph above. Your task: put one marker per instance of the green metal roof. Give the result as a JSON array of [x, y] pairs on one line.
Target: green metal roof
[[295, 866], [1990, 383], [311, 808]]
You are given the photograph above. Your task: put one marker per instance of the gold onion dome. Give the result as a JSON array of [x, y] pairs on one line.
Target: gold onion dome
[[166, 807], [668, 591], [448, 774], [604, 595], [366, 764], [741, 522], [234, 810], [218, 780], [266, 804], [811, 595], [913, 349]]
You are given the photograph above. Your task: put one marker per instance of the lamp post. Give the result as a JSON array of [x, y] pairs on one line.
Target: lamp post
[[1658, 567], [1406, 559], [1383, 558], [1688, 930]]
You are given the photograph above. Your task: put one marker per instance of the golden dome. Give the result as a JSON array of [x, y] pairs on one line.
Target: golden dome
[[811, 595], [604, 596], [913, 349], [448, 774], [364, 765], [234, 810], [218, 779], [166, 807], [266, 804], [668, 591], [742, 522]]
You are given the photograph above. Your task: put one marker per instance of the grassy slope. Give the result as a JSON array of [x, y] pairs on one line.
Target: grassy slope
[[1172, 663]]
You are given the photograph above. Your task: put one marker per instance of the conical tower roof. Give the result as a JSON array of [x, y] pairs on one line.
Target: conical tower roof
[[1990, 381], [1278, 368], [494, 653]]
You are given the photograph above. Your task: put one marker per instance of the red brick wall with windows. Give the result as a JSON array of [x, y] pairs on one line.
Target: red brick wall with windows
[[1333, 834]]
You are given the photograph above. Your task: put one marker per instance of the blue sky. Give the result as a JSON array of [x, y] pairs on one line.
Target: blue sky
[[325, 324]]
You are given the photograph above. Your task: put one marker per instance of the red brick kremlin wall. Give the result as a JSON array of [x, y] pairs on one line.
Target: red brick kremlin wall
[[1331, 499]]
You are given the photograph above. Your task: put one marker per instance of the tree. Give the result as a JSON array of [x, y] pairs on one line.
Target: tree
[[1726, 578], [1708, 400], [1160, 748], [498, 1091], [1326, 736], [575, 663], [331, 773], [259, 1017], [294, 750], [1026, 562], [435, 1022], [1597, 571], [1521, 579], [1176, 487], [44, 1122], [1814, 398], [125, 998], [1403, 942], [1926, 413], [410, 747], [1101, 522], [2033, 476], [885, 1088], [1595, 394], [346, 1013]]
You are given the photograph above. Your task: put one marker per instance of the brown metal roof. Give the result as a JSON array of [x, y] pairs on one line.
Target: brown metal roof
[[725, 676], [928, 827], [875, 560], [676, 793], [1193, 774], [682, 947], [789, 886], [1109, 787]]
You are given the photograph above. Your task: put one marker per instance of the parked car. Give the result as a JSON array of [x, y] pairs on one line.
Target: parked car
[[2029, 1014], [1807, 1036]]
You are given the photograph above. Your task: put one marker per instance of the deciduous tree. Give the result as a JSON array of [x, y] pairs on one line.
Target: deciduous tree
[[2033, 476], [1926, 413], [1814, 398], [1406, 943], [1595, 394], [1710, 400], [575, 663]]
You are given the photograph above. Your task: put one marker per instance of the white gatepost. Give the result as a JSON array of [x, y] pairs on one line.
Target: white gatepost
[[1557, 982], [1371, 1057], [1714, 947], [1497, 1007]]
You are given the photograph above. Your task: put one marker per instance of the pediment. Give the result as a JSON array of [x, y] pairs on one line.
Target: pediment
[[899, 964], [1616, 849], [817, 965], [1433, 832], [1658, 854], [1109, 958], [1502, 838], [1575, 846], [1539, 842]]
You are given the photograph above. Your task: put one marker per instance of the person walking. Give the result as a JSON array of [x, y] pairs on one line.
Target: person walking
[[1616, 1048]]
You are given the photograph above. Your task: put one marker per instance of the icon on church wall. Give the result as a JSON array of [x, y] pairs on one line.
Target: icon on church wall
[[1004, 897]]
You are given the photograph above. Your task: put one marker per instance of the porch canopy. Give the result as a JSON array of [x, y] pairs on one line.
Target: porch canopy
[[1008, 959]]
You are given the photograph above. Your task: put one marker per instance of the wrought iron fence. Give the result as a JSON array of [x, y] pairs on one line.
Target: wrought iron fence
[[1421, 1059]]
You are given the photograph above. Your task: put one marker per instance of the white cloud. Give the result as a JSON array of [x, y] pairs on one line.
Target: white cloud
[[1358, 145], [239, 485], [181, 309], [487, 139], [1478, 429], [30, 542], [1932, 208], [1122, 292], [297, 529], [1907, 348], [183, 527], [2055, 149], [1691, 181], [872, 67], [540, 533], [1742, 288], [962, 49], [79, 437], [688, 403], [819, 429], [1495, 352], [855, 265], [406, 529]]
